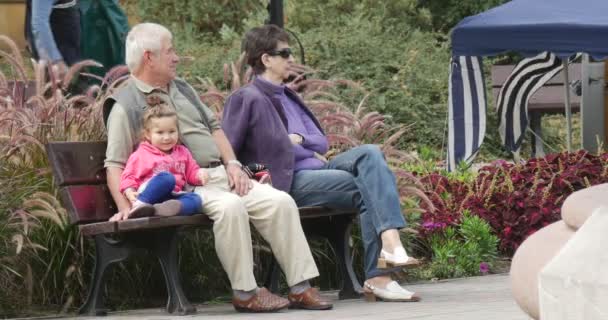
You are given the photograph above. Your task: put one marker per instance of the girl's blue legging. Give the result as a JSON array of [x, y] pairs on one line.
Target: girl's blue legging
[[160, 188]]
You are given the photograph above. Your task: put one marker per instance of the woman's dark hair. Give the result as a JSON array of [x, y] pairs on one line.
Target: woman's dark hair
[[262, 40]]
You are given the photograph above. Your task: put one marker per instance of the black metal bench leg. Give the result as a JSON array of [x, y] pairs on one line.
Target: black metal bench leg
[[107, 252], [339, 240], [272, 280], [166, 250]]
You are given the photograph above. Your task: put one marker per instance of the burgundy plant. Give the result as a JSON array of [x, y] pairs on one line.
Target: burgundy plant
[[515, 199]]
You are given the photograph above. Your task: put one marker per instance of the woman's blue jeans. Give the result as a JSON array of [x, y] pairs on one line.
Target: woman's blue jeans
[[160, 189], [357, 178]]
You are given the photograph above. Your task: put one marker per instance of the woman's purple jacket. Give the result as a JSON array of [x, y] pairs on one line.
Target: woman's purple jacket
[[256, 126]]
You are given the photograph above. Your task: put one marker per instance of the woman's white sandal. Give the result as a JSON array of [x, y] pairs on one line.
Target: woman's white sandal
[[398, 258], [392, 293]]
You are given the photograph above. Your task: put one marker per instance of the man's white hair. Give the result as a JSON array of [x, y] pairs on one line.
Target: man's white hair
[[144, 37]]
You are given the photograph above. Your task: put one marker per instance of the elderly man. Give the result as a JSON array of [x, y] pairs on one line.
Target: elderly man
[[230, 198]]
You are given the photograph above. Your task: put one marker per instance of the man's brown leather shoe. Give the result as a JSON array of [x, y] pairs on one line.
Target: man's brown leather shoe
[[262, 301], [309, 299]]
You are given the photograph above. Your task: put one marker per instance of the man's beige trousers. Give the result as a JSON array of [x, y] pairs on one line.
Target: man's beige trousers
[[272, 212]]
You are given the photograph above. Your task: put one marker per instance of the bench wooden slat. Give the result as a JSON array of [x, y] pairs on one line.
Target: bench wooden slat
[[547, 100], [161, 222], [76, 163], [500, 73], [144, 224], [87, 203], [92, 229]]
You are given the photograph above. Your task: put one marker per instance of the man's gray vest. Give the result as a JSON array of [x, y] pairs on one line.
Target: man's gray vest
[[134, 103]]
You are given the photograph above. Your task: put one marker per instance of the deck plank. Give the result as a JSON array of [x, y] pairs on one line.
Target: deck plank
[[477, 298]]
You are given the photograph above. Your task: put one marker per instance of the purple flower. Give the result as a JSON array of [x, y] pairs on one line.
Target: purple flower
[[484, 268], [429, 225], [499, 163]]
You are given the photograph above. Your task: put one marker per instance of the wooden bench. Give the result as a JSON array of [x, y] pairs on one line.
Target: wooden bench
[[80, 176], [549, 99]]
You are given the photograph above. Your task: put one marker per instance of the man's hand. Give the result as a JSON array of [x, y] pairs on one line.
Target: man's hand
[[131, 194], [203, 176], [295, 138], [238, 180]]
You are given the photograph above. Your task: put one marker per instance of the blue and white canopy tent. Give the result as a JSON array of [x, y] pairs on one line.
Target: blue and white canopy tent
[[532, 28]]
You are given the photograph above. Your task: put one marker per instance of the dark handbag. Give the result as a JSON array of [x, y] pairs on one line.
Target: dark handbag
[[258, 171]]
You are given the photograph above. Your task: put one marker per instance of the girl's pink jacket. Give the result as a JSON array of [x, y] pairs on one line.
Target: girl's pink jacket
[[147, 161]]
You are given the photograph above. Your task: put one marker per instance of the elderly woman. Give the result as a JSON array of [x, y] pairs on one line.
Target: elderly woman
[[268, 123]]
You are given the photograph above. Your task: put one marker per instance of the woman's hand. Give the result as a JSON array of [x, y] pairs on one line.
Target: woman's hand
[[320, 157], [296, 138]]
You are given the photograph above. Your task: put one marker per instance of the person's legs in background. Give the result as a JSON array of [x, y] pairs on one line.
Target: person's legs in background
[[65, 24], [67, 33]]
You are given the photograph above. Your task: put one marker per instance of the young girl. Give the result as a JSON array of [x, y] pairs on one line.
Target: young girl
[[155, 174]]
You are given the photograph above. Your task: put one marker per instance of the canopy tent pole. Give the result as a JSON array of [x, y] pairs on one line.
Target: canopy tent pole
[[567, 104]]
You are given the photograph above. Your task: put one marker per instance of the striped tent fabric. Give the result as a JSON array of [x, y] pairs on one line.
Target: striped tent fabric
[[529, 27], [467, 110], [527, 77]]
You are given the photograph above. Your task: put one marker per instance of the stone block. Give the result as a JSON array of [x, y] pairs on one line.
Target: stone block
[[574, 284]]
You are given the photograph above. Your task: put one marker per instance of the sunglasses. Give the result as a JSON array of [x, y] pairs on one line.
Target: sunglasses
[[284, 53]]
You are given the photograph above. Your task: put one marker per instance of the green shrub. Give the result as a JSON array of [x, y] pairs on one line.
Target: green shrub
[[197, 16], [405, 70], [447, 13], [309, 14], [463, 251], [429, 161]]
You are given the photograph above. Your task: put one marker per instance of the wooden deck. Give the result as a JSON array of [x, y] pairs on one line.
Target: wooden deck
[[476, 298]]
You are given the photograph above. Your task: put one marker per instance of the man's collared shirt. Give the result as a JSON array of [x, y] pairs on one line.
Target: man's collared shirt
[[192, 128]]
